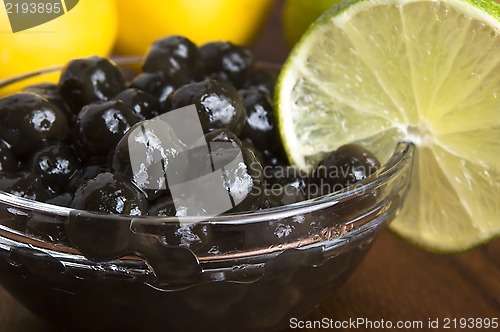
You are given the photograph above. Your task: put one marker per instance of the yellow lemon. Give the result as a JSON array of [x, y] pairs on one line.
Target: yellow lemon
[[143, 22], [84, 28]]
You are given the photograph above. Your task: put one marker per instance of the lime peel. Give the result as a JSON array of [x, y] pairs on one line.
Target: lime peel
[[406, 81]]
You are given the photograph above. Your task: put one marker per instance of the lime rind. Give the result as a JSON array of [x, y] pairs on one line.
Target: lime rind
[[458, 138], [481, 7]]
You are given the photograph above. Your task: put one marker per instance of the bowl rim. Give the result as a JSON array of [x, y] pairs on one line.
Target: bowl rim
[[399, 158]]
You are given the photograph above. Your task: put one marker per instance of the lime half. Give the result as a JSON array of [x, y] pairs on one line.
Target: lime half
[[377, 72]]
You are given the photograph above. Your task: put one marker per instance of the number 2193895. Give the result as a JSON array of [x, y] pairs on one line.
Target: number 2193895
[[33, 8]]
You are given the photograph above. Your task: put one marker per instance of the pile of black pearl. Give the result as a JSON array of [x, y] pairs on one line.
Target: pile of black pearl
[[67, 143]]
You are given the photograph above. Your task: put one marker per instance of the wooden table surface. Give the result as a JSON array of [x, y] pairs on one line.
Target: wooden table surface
[[395, 283]]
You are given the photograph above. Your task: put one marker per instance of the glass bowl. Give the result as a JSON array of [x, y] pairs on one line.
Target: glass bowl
[[252, 271]]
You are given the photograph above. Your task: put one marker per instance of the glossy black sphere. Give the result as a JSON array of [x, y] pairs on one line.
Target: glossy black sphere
[[50, 91], [261, 79], [145, 105], [343, 167], [84, 81], [55, 164], [260, 124], [157, 84], [226, 61], [184, 234], [23, 184], [109, 193], [101, 125], [218, 104], [176, 57], [84, 174], [28, 120], [147, 155], [238, 175]]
